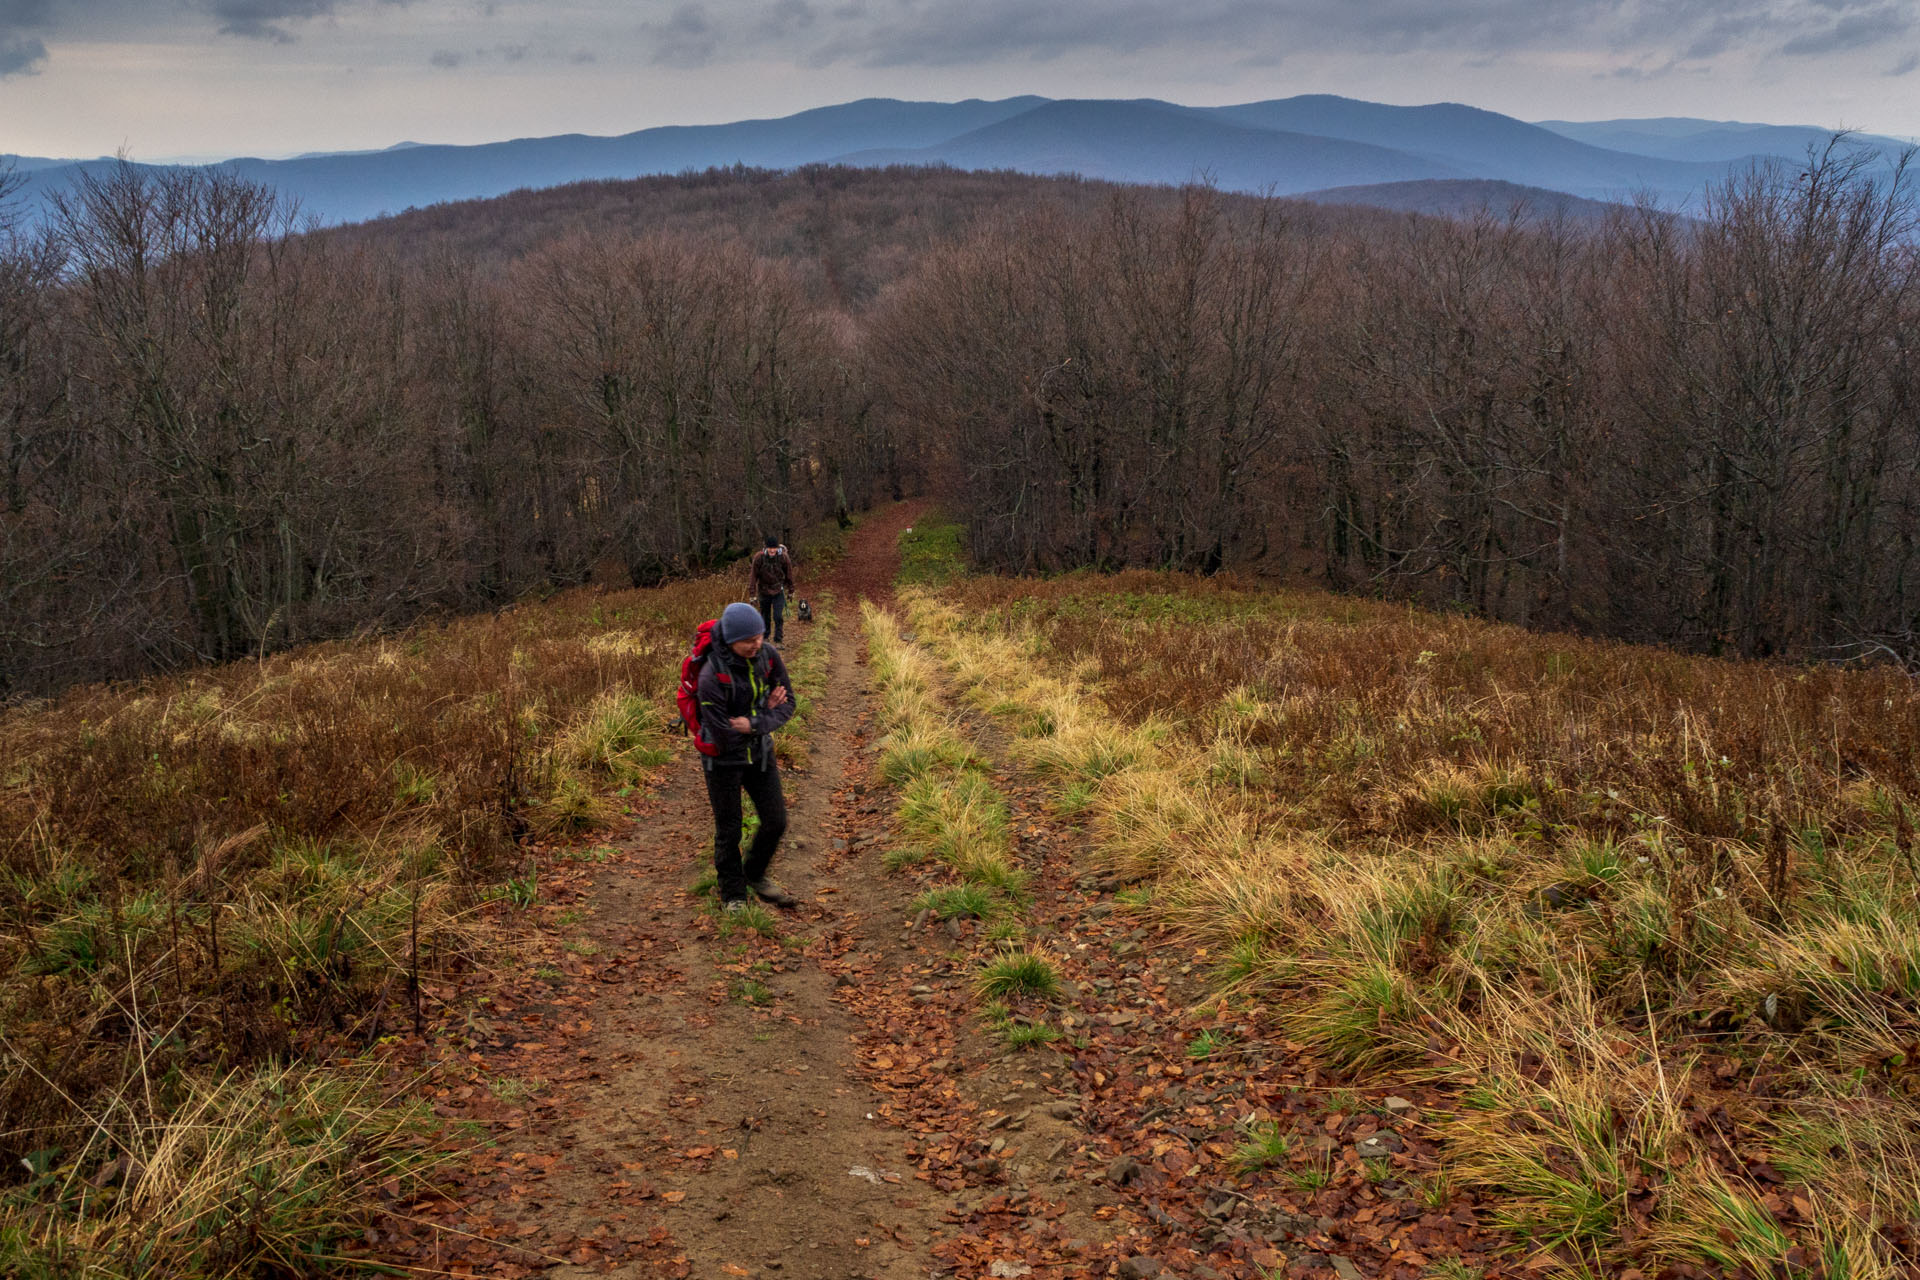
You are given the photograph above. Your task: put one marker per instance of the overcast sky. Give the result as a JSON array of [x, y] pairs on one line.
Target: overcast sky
[[168, 78]]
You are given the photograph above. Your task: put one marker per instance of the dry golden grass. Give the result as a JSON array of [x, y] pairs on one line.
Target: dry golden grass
[[1618, 889], [250, 865], [948, 809]]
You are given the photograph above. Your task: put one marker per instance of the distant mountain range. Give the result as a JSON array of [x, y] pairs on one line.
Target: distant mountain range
[[1329, 148]]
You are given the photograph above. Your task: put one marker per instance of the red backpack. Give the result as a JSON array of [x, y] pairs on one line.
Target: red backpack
[[689, 695]]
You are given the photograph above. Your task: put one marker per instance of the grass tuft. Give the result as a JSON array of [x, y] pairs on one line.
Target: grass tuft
[[1021, 973]]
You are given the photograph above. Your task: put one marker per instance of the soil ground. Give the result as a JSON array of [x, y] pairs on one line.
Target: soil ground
[[657, 1092]]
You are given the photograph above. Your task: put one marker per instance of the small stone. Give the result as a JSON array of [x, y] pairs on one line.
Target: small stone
[[1063, 1111], [1344, 1268], [921, 918], [839, 845], [1123, 1170], [996, 1146], [1141, 1268], [921, 989], [1378, 1146], [1398, 1105]]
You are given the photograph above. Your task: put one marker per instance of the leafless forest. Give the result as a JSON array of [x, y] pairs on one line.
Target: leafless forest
[[223, 434]]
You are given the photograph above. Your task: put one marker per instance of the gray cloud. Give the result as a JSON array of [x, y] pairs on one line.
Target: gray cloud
[[788, 17], [1906, 65], [273, 20], [20, 55], [1644, 36], [686, 39], [24, 13], [512, 54], [1854, 31], [265, 19], [947, 33], [914, 32]]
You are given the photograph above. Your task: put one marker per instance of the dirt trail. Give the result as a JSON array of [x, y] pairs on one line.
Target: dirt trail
[[700, 1113], [657, 1091]]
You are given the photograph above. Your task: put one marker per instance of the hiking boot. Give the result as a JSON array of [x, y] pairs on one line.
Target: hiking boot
[[767, 891], [734, 906]]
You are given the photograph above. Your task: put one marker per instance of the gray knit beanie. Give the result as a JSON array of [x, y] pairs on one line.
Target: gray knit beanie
[[741, 621]]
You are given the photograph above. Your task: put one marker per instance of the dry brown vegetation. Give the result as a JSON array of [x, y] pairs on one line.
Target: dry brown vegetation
[[1689, 431], [223, 437], [1652, 917], [211, 884]]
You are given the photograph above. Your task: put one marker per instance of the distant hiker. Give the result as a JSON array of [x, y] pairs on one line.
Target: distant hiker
[[744, 695], [769, 579]]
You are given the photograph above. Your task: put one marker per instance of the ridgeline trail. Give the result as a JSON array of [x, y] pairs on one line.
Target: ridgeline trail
[[702, 1111], [656, 1091]]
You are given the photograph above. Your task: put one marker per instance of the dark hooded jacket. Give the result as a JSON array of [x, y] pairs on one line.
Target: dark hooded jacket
[[771, 573], [730, 686]]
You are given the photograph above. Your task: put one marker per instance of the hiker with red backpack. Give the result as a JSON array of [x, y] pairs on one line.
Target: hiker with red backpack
[[734, 693]]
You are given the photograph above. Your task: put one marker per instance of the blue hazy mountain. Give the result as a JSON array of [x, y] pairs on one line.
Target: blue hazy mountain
[[1685, 138], [1157, 142], [1485, 144], [350, 186], [1288, 146]]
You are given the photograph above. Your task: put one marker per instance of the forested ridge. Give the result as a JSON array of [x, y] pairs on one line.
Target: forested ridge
[[224, 434]]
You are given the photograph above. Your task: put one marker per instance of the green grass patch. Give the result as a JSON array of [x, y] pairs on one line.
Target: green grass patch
[[932, 553], [754, 917], [958, 901], [1021, 973], [1265, 1145], [1028, 1035]]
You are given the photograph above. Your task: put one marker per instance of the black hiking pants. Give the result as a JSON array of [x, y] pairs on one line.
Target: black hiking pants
[[762, 785], [773, 613]]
